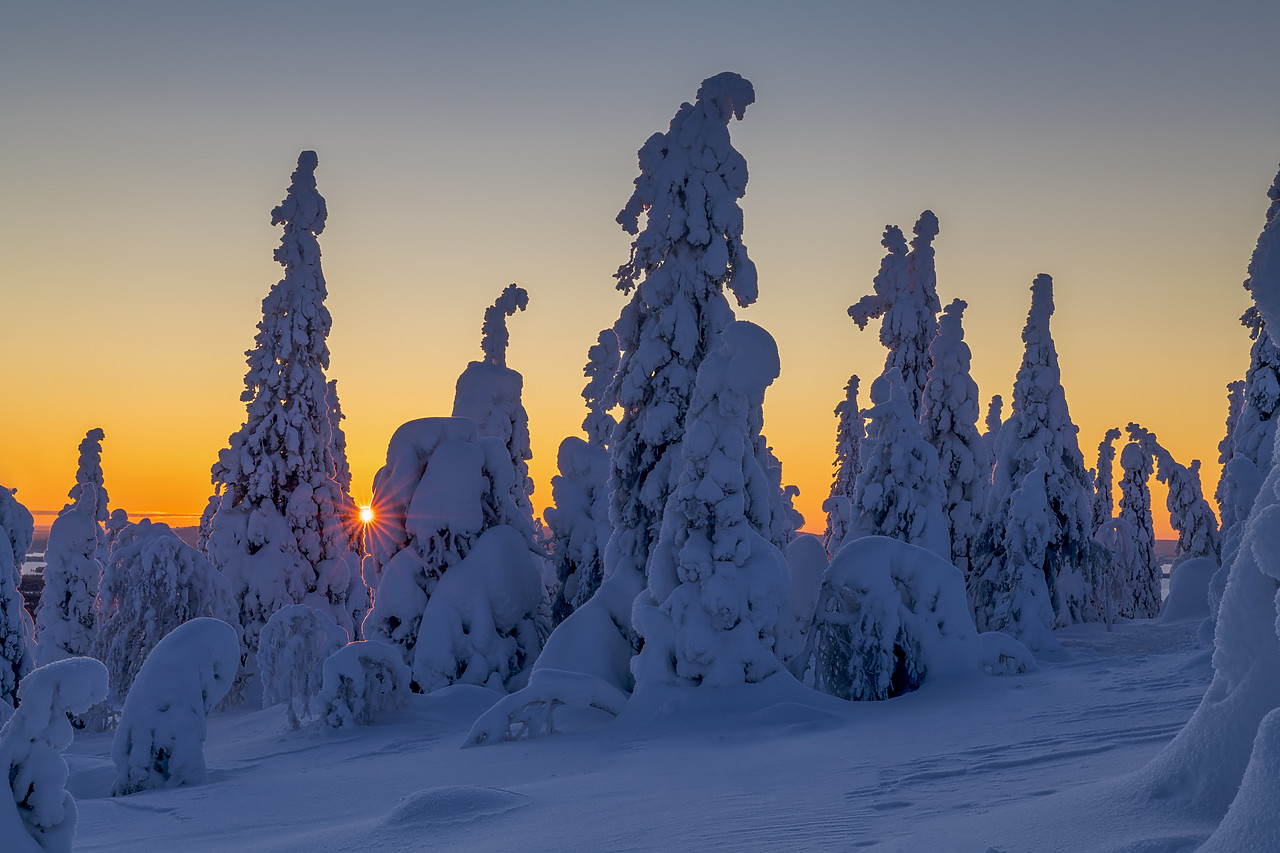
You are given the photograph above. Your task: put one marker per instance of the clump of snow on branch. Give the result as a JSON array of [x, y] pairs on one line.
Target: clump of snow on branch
[[361, 681], [40, 815], [716, 584], [294, 645], [16, 530], [160, 740], [850, 430]]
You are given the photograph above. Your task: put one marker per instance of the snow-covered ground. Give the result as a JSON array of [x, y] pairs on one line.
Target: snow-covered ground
[[1036, 762]]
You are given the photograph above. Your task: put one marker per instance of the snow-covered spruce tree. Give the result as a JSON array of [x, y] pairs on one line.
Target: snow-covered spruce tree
[[275, 526], [153, 583], [850, 431], [899, 493], [16, 530], [716, 583], [89, 473], [1222, 764], [488, 392], [579, 521], [1143, 574], [949, 417], [160, 741], [40, 814], [1226, 447], [993, 423], [1189, 512], [688, 253], [442, 489], [360, 681], [1040, 428], [905, 299], [295, 643], [1103, 502], [67, 616]]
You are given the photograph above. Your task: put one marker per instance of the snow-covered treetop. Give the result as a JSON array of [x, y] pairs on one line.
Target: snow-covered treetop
[[890, 283], [690, 181], [17, 527], [994, 411], [920, 264], [1264, 266], [303, 210], [89, 470], [602, 365], [493, 334]]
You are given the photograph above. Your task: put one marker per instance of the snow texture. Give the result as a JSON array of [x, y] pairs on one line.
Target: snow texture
[[16, 530], [850, 431], [1143, 571], [67, 617], [294, 645], [949, 417], [1038, 457], [278, 526], [716, 584], [362, 680], [154, 583], [40, 815]]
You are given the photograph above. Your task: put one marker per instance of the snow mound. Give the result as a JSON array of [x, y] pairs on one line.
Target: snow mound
[[1253, 822], [453, 804], [1189, 590]]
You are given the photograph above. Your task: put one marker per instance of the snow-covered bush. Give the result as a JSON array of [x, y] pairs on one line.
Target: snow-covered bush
[[1142, 572], [16, 530], [949, 417], [850, 430], [889, 615], [716, 584], [360, 681], [160, 740], [67, 617], [40, 814], [278, 526], [154, 583], [293, 647]]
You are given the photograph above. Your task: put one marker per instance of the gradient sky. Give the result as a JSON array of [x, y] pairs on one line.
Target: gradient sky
[[1124, 148]]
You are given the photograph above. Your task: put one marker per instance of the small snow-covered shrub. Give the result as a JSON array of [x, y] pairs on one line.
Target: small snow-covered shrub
[[361, 680], [292, 649], [41, 815], [160, 740], [889, 615]]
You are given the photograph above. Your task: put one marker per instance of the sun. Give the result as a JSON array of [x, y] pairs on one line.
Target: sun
[[366, 515]]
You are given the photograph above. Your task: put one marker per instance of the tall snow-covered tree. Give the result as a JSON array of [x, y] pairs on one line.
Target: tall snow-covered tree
[[905, 299], [1103, 502], [1189, 513], [16, 530], [949, 417], [89, 473], [993, 422], [67, 616], [850, 431], [1135, 510], [1226, 447], [275, 526], [899, 493], [579, 521], [716, 584], [1040, 428]]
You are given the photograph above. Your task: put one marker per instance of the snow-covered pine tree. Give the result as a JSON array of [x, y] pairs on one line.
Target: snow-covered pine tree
[[1040, 428], [786, 520], [688, 253], [993, 423], [1143, 574], [67, 616], [16, 530], [850, 430], [949, 417], [89, 472], [275, 526], [905, 299], [1226, 447], [716, 583], [1189, 512], [579, 521], [489, 392], [899, 493], [1103, 504]]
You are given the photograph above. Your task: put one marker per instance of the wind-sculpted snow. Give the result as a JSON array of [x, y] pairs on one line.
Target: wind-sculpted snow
[[16, 631]]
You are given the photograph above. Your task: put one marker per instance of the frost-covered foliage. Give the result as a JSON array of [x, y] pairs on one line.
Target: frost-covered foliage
[[1039, 434], [294, 645], [949, 417], [579, 521], [67, 617], [716, 583], [993, 423], [1143, 571], [1189, 512], [899, 493], [1224, 759], [850, 430], [278, 525], [360, 681], [890, 614], [16, 530], [443, 486], [489, 392], [153, 583], [160, 741], [40, 814], [482, 624], [1103, 502]]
